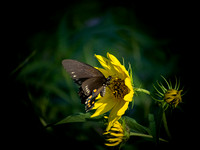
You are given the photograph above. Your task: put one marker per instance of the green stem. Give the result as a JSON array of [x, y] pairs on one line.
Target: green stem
[[142, 90], [165, 125], [145, 135]]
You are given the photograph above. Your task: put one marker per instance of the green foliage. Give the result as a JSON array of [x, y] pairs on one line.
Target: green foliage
[[79, 34], [81, 117], [134, 126]]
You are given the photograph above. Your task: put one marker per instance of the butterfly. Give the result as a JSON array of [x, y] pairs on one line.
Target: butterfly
[[91, 81]]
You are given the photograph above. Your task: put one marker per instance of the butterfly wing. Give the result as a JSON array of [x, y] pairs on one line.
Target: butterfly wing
[[90, 89], [89, 103], [79, 71], [91, 81]]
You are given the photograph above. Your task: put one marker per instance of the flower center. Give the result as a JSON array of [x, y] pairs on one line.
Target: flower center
[[118, 88]]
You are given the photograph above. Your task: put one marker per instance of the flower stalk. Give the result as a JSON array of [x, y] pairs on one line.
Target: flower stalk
[[142, 90], [165, 125]]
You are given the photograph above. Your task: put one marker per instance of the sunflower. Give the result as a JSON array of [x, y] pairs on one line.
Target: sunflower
[[118, 93], [169, 95], [117, 134]]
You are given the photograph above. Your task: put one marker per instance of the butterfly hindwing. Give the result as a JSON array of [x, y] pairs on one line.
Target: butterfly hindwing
[[103, 91], [82, 95], [90, 89], [93, 83], [89, 103]]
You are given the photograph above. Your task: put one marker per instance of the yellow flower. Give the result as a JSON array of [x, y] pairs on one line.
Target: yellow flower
[[118, 93], [173, 97], [169, 96], [116, 134]]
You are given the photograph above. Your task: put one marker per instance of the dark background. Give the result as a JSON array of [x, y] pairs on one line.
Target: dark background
[[156, 38]]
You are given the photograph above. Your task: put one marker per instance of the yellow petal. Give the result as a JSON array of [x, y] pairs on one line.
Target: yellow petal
[[116, 113], [98, 97], [119, 72], [105, 72], [120, 108], [113, 59], [116, 129], [112, 67], [114, 139], [111, 121], [102, 100], [117, 125], [103, 61], [117, 134], [123, 109], [112, 144], [129, 97], [118, 66], [103, 106], [106, 117]]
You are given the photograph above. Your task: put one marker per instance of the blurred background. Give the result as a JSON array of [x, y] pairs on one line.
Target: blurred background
[[156, 38]]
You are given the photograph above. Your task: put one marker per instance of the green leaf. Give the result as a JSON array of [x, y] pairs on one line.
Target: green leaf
[[134, 126], [141, 131], [81, 117]]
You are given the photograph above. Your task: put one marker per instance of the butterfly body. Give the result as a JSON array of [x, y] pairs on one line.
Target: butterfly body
[[91, 81]]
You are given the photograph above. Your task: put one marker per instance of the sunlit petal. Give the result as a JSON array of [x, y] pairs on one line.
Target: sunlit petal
[[113, 59], [105, 72], [120, 108], [103, 105], [128, 97], [111, 120], [103, 61], [112, 144], [114, 139]]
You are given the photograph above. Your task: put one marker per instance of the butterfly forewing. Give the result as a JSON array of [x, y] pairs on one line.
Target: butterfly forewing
[[79, 70]]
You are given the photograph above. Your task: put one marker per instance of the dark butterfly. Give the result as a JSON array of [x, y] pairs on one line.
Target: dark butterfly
[[91, 81]]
